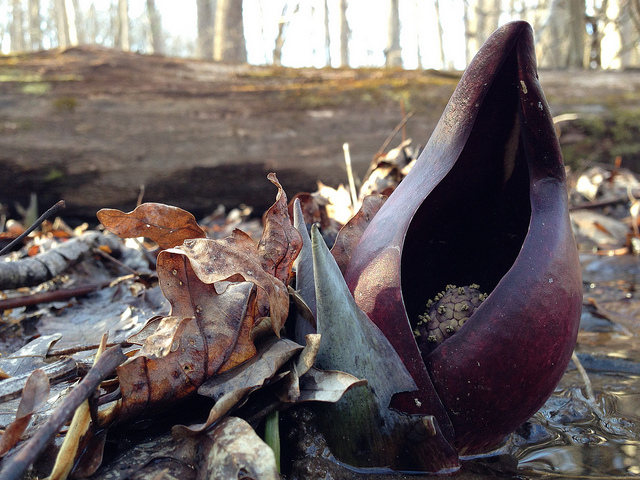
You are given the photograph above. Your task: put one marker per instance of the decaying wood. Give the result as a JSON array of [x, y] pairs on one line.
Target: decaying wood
[[31, 271]]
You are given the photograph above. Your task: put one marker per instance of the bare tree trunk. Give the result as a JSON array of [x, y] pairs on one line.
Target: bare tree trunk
[[492, 19], [92, 25], [16, 28], [80, 24], [327, 34], [206, 9], [279, 43], [416, 12], [228, 35], [393, 54], [155, 27], [440, 34], [62, 23], [598, 23], [123, 25], [551, 46], [577, 33], [345, 33], [481, 19], [629, 51], [71, 23], [468, 34], [35, 31]]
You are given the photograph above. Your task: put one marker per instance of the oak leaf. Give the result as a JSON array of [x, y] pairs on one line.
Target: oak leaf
[[349, 235], [190, 344], [280, 243], [166, 225]]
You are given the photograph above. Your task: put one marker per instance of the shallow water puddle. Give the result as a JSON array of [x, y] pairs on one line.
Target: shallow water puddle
[[573, 436]]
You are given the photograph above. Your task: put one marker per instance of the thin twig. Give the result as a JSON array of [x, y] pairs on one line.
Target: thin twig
[[591, 398], [395, 131], [352, 183], [109, 257], [604, 203], [52, 296], [52, 211], [140, 195], [403, 110]]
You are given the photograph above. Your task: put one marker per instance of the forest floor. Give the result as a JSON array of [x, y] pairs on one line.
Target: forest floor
[[92, 125]]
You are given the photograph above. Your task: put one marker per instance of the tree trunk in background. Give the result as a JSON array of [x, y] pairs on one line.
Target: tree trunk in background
[[345, 33], [393, 54], [468, 35], [16, 28], [155, 28], [551, 36], [204, 47], [35, 31], [577, 32], [279, 42], [492, 18], [228, 34], [416, 12], [80, 23], [630, 53], [122, 39], [327, 35], [62, 23], [440, 34], [481, 18], [92, 25], [71, 22]]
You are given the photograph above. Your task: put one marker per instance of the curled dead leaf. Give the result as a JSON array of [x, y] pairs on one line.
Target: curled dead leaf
[[234, 448], [34, 396], [166, 225], [280, 242], [188, 346], [349, 235], [232, 257]]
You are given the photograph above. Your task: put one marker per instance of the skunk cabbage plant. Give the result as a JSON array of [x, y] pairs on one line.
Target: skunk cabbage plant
[[470, 269]]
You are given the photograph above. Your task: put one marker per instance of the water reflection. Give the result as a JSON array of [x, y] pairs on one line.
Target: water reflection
[[572, 436]]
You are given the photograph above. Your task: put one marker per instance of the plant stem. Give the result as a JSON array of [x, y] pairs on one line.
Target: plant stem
[[272, 434]]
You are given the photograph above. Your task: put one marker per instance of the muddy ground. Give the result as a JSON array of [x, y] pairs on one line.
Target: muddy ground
[[92, 125]]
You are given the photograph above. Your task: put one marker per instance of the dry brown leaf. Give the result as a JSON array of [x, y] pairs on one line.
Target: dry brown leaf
[[221, 408], [280, 243], [315, 211], [234, 449], [231, 387], [349, 235], [244, 348], [326, 385], [272, 355], [188, 346], [219, 260], [214, 306], [34, 396], [166, 225]]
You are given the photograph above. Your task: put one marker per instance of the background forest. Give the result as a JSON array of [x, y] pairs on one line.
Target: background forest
[[440, 34]]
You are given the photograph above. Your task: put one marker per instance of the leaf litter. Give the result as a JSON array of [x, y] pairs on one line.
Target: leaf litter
[[213, 322]]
